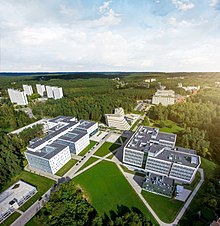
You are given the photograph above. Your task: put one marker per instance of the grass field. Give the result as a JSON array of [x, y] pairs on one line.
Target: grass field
[[107, 189], [125, 169], [66, 167], [87, 163], [165, 208], [106, 148], [208, 167], [134, 125], [85, 150], [10, 219], [169, 127]]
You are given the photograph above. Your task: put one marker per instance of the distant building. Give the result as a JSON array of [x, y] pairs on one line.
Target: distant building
[[191, 88], [28, 89], [180, 85], [54, 92], [17, 97], [150, 80], [151, 151], [65, 136], [40, 89], [180, 99], [14, 197], [164, 97], [117, 120]]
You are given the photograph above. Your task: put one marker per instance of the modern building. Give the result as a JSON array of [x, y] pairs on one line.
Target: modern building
[[54, 92], [66, 136], [14, 197], [191, 88], [159, 184], [17, 97], [150, 80], [151, 151], [164, 97], [28, 90], [40, 89], [117, 120]]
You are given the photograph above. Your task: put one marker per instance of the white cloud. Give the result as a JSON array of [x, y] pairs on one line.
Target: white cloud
[[104, 6], [183, 5], [213, 3]]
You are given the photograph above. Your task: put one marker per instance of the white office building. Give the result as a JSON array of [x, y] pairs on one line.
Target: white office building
[[191, 88], [40, 89], [14, 197], [28, 89], [66, 135], [117, 120], [17, 97], [54, 92], [154, 152], [164, 97]]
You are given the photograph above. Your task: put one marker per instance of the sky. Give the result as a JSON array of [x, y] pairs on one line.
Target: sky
[[111, 35]]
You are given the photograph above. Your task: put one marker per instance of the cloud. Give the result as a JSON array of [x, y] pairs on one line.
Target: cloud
[[213, 3], [105, 6], [183, 5]]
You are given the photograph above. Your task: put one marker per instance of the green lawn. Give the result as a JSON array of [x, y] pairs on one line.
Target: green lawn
[[193, 185], [208, 167], [106, 148], [134, 125], [169, 127], [10, 219], [87, 163], [107, 189], [165, 208], [125, 169], [42, 183], [85, 150], [66, 167]]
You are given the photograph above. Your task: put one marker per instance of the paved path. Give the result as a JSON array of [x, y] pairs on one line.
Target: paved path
[[29, 213], [42, 121]]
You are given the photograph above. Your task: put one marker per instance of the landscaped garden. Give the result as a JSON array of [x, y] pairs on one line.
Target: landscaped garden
[[85, 150], [66, 167]]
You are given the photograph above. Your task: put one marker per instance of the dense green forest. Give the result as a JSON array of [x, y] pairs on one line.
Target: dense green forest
[[12, 158], [68, 205]]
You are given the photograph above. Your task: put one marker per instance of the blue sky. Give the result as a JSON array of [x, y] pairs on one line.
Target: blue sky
[[114, 35]]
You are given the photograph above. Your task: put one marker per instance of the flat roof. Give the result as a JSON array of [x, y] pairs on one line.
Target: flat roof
[[49, 151], [17, 191], [50, 136], [73, 135], [85, 124]]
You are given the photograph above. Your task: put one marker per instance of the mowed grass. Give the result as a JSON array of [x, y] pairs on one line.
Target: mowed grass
[[87, 163], [106, 148], [85, 150], [10, 219], [165, 208], [169, 127], [66, 167], [42, 184], [107, 189]]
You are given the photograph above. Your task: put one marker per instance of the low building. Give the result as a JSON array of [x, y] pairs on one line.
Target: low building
[[158, 185], [154, 152], [150, 80], [17, 97], [40, 89], [180, 99], [14, 197], [164, 97], [28, 89], [66, 136], [117, 120]]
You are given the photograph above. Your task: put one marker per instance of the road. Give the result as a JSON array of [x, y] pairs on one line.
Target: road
[[42, 121]]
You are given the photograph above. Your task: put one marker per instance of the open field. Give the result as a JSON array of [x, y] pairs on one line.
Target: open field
[[106, 148], [85, 150], [169, 126], [108, 189], [165, 208], [66, 167]]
